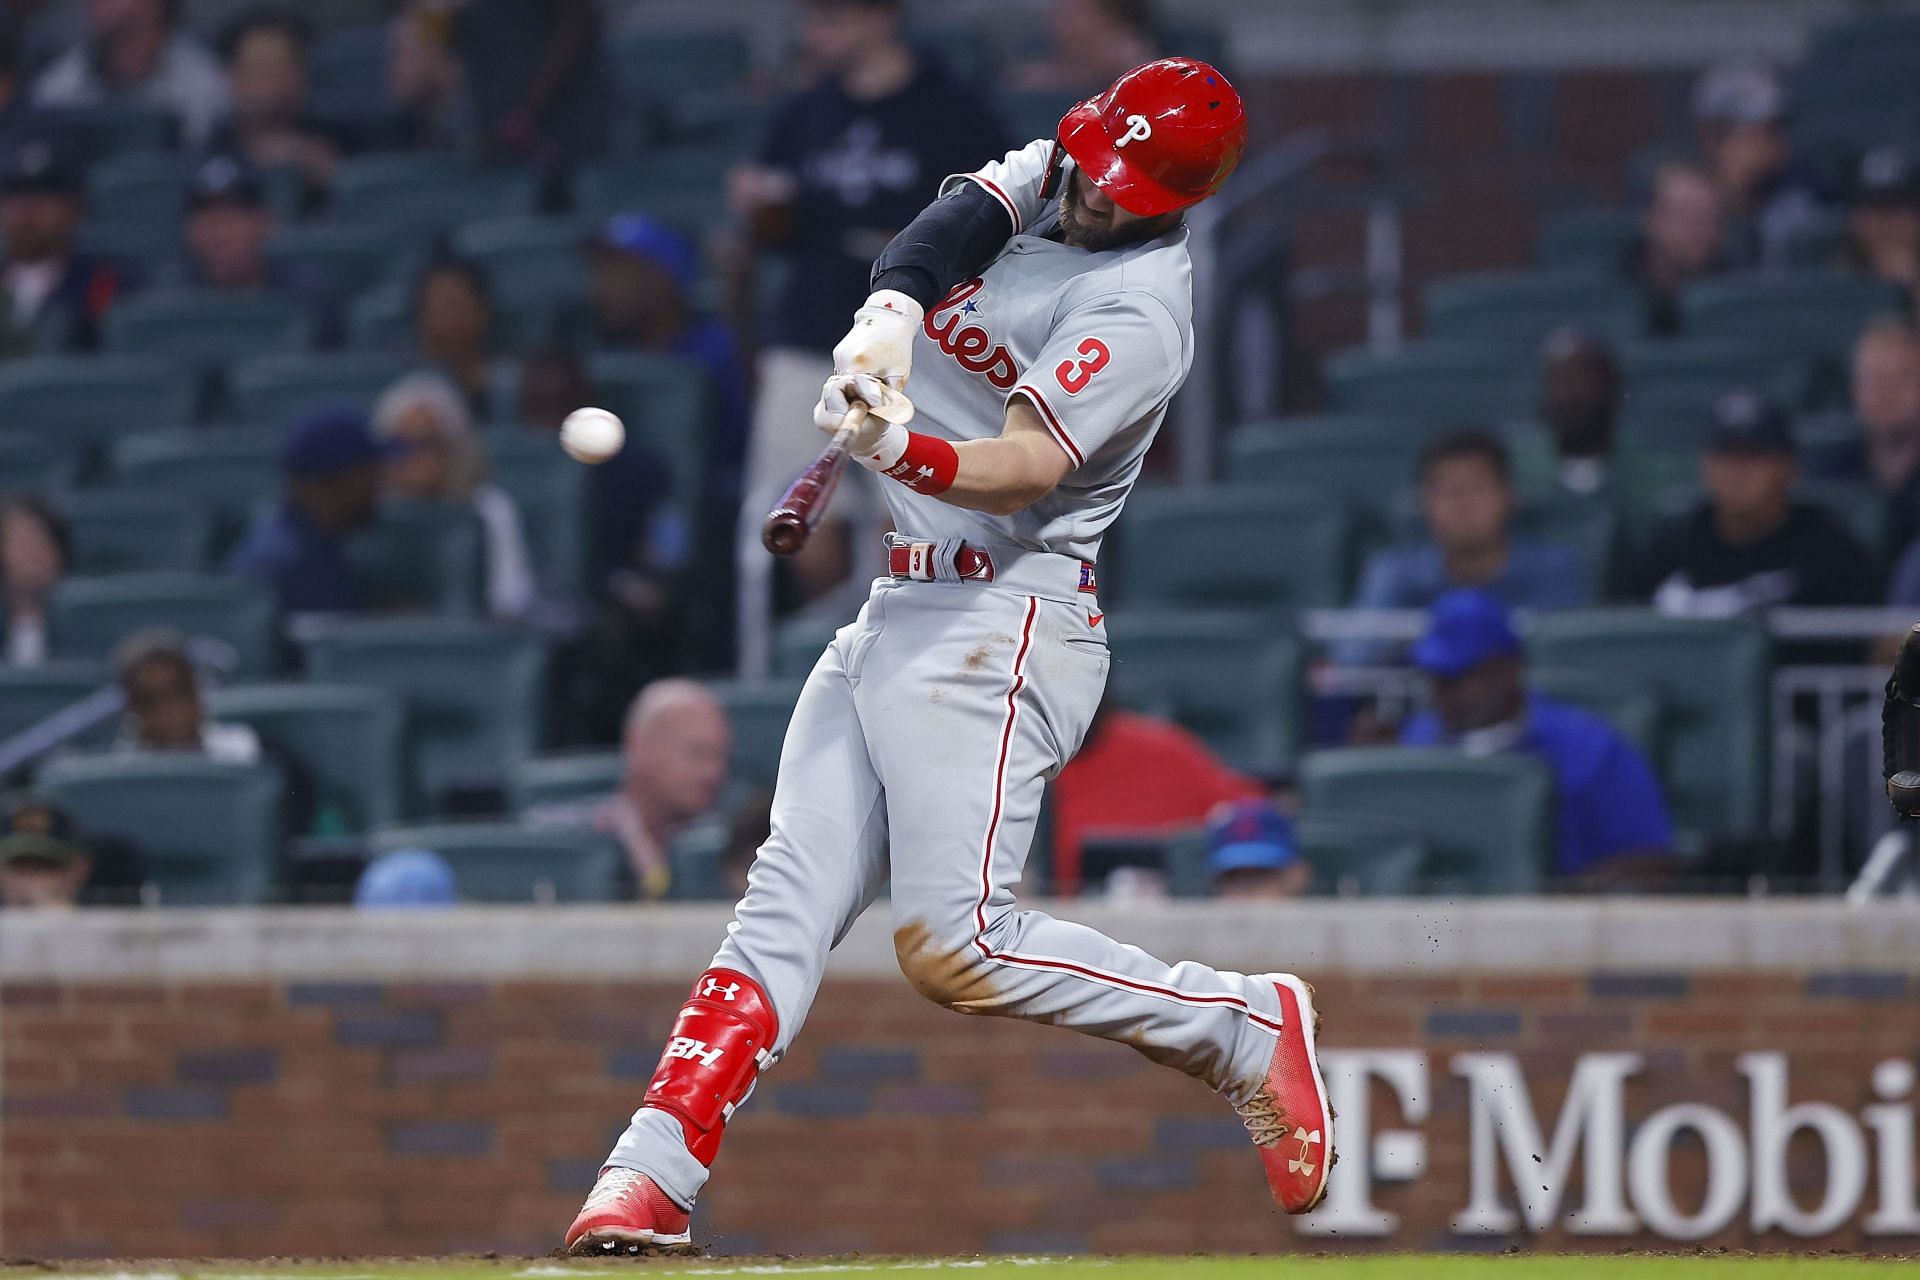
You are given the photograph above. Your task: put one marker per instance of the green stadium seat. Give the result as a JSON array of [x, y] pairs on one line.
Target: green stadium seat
[[1359, 855], [1712, 679], [1670, 386], [530, 263], [206, 329], [695, 858], [1856, 505], [1434, 382], [422, 556], [1598, 240], [30, 461], [211, 829], [29, 695], [132, 246], [1259, 546], [500, 862], [758, 712], [353, 259], [473, 692], [347, 739], [89, 400], [275, 389], [147, 187], [1487, 820], [416, 191], [90, 616], [722, 120], [1628, 704], [1032, 113], [228, 472], [116, 128], [663, 400], [348, 70], [682, 186], [1793, 313], [799, 642], [571, 778], [130, 530], [1523, 307], [551, 491], [661, 65], [1233, 678], [1360, 460]]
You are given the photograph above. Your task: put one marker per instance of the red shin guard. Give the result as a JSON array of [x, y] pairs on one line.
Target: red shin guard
[[722, 1038]]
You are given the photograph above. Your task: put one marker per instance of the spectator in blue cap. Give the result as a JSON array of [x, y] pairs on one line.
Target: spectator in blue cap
[[406, 880], [1612, 824], [1251, 854], [330, 462]]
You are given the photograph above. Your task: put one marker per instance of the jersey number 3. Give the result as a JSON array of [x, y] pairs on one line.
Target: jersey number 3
[[1074, 375]]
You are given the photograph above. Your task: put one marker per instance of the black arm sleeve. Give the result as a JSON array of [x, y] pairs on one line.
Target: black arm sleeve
[[951, 239]]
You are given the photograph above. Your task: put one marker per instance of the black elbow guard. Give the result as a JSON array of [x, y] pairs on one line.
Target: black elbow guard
[[951, 239]]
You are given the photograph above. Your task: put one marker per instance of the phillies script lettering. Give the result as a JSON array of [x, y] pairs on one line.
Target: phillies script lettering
[[969, 344]]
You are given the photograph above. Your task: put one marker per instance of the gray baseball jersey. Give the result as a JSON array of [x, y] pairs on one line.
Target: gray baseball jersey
[[921, 745]]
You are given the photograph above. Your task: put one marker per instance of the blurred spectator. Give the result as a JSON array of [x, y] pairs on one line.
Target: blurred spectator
[[1094, 42], [1135, 775], [675, 746], [750, 827], [266, 53], [16, 112], [1883, 221], [135, 52], [1748, 545], [55, 297], [1251, 854], [406, 880], [439, 458], [43, 861], [1612, 823], [1466, 495], [36, 549], [228, 225], [1579, 401], [453, 321], [1683, 238], [1886, 400], [846, 164], [536, 84], [423, 76], [331, 466], [164, 708], [1740, 121]]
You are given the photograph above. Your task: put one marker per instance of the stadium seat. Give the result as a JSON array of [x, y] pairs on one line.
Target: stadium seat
[[116, 128], [1359, 855], [1854, 87], [1032, 113], [205, 329], [532, 264], [1597, 240], [1856, 505], [1433, 382], [422, 556], [663, 400], [211, 830], [229, 472], [348, 71], [1792, 313], [1242, 545], [1523, 307], [1487, 820], [1357, 459], [499, 862], [1712, 679], [147, 187], [418, 190], [575, 777], [1670, 386], [681, 186], [1232, 678], [659, 65], [272, 390], [758, 712], [551, 491], [695, 857], [1629, 704], [130, 530], [799, 642], [473, 692], [353, 259], [29, 695], [232, 617], [33, 462], [88, 400], [347, 739]]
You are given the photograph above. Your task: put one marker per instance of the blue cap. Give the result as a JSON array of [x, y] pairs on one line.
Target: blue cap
[[654, 240], [406, 879], [1466, 628], [329, 441], [1249, 833]]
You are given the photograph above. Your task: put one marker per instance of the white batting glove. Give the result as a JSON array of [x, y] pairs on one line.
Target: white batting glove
[[842, 391], [881, 341]]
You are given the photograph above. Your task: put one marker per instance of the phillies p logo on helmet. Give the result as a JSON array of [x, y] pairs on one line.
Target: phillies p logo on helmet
[[1139, 129], [1166, 135]]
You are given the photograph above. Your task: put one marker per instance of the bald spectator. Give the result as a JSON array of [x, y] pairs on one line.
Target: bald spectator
[[1886, 399], [1579, 400], [136, 52], [675, 748], [1682, 238], [1094, 42]]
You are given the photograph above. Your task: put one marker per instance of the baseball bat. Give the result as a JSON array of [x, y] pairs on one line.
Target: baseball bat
[[791, 521]]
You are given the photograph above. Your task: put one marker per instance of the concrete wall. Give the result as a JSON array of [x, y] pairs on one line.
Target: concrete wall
[[323, 1083]]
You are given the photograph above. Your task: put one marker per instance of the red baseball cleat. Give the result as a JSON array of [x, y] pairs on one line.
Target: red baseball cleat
[[627, 1213], [1288, 1118]]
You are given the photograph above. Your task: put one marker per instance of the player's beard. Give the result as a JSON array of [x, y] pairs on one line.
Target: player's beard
[[1080, 228]]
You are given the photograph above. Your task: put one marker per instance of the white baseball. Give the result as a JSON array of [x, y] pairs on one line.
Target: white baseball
[[592, 435]]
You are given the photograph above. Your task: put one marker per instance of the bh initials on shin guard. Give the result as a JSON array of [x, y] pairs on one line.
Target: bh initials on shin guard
[[722, 1039]]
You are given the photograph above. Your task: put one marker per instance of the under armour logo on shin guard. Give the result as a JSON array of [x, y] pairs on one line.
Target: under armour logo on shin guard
[[712, 987]]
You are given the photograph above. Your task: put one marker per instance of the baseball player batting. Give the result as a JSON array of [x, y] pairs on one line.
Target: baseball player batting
[[1043, 306]]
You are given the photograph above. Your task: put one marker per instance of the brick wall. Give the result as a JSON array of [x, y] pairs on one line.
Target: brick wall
[[345, 1117]]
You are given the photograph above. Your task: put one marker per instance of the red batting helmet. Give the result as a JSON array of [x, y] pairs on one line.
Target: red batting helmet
[[1164, 136]]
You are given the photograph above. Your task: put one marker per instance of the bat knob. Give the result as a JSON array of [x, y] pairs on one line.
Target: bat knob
[[784, 534]]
